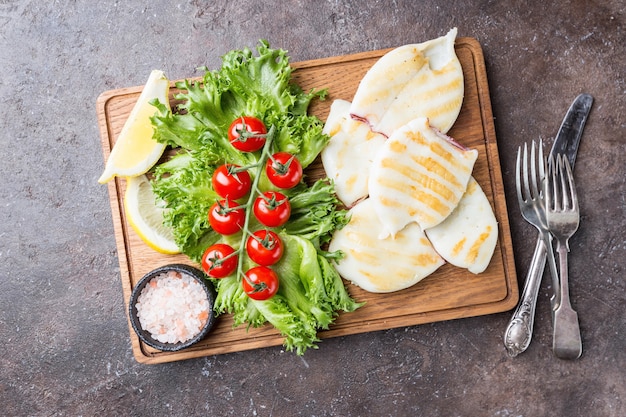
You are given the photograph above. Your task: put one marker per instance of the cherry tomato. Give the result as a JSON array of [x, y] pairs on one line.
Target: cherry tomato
[[229, 181], [260, 283], [264, 247], [219, 260], [226, 217], [284, 170], [247, 134], [272, 208]]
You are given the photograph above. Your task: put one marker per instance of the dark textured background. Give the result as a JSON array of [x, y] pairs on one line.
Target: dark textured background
[[66, 350]]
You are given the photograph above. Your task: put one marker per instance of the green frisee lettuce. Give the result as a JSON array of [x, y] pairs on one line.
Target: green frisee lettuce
[[311, 291]]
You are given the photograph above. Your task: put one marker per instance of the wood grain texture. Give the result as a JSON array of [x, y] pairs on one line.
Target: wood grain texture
[[449, 293]]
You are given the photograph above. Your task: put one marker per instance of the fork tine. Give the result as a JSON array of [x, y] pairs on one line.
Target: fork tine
[[541, 164], [533, 170], [537, 167], [525, 176], [572, 188], [551, 184], [524, 172], [558, 188], [562, 192]]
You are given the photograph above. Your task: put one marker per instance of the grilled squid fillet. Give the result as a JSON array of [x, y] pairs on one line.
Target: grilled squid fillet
[[416, 80], [349, 154], [418, 176], [386, 265], [468, 237]]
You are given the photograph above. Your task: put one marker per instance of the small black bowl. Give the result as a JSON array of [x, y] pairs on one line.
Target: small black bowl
[[145, 335]]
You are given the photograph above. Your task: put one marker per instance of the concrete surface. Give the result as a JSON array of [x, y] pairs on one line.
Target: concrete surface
[[66, 350]]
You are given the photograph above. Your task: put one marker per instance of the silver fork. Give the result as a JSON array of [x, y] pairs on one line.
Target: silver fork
[[530, 196], [563, 219]]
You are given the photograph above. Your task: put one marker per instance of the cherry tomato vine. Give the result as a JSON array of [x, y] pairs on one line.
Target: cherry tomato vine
[[271, 208]]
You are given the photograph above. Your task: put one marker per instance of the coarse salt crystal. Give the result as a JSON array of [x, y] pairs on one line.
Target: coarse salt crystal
[[173, 307]]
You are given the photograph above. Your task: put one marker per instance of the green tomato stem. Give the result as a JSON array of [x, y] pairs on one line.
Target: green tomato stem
[[245, 134], [251, 198], [279, 167]]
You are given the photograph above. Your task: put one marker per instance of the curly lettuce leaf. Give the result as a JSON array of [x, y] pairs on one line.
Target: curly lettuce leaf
[[250, 85], [314, 213]]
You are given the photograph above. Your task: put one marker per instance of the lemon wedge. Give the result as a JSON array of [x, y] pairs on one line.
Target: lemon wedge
[[135, 152], [145, 214]]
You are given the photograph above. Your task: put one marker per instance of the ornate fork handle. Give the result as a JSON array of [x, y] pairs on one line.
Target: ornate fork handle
[[519, 331], [529, 180]]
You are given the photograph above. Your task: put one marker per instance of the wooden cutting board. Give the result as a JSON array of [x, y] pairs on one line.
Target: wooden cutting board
[[449, 293]]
